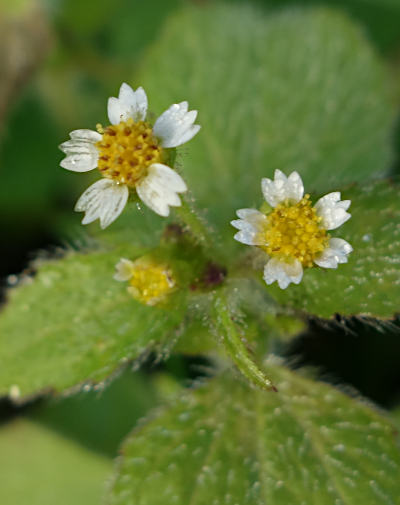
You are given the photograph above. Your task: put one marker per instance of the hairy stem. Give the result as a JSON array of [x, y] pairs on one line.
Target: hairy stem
[[231, 339], [193, 222]]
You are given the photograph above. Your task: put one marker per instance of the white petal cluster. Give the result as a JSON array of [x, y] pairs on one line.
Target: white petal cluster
[[331, 209], [159, 190], [282, 188], [82, 154]]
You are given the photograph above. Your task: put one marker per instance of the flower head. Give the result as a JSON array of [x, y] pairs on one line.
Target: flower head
[[130, 154], [149, 281], [294, 234]]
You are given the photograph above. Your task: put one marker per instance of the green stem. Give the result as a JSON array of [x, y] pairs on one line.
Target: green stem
[[193, 222], [235, 347]]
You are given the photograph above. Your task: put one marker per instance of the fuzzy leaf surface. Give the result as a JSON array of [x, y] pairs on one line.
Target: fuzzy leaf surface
[[296, 90], [73, 323], [226, 443], [369, 283]]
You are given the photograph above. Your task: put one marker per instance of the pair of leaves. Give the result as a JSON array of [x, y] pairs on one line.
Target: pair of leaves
[[226, 443]]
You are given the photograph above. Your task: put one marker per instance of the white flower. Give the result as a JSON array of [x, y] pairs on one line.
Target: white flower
[[294, 234], [150, 282], [131, 155]]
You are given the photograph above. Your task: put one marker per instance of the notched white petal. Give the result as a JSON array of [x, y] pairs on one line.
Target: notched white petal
[[176, 125], [123, 270], [114, 111], [159, 190], [86, 135], [80, 162], [295, 187], [246, 236], [168, 177], [282, 188], [104, 200], [129, 104], [251, 226], [82, 154], [334, 254], [248, 213], [332, 210], [283, 273], [78, 146]]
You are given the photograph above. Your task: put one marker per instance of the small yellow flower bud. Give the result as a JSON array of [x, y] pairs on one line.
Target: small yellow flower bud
[[149, 281]]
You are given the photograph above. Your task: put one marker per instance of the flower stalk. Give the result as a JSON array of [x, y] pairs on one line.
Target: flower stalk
[[193, 222]]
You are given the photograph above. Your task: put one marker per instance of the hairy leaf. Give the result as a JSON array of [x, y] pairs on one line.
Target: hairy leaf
[[226, 443], [296, 90], [73, 323]]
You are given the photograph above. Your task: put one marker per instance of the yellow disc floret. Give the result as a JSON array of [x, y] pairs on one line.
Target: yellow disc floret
[[293, 231], [127, 150], [150, 281]]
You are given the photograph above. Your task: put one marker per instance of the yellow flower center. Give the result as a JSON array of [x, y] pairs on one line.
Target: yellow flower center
[[294, 232], [127, 150], [150, 282]]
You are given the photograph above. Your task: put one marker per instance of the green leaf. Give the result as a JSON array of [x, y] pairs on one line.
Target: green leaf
[[379, 17], [39, 467], [226, 443], [369, 283], [296, 90], [73, 323]]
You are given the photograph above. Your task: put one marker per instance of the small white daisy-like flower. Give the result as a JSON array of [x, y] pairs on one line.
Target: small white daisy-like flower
[[150, 281], [130, 154], [294, 234]]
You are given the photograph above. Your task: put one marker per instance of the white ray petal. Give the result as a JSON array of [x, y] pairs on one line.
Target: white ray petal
[[80, 161], [334, 254], [86, 135], [78, 147], [247, 236], [168, 177], [295, 187], [104, 200], [123, 270], [332, 210], [159, 190], [283, 273], [282, 188], [251, 226], [114, 110], [245, 213], [175, 126], [82, 154], [129, 104]]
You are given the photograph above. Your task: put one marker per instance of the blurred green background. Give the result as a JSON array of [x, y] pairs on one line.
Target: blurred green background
[[60, 60]]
